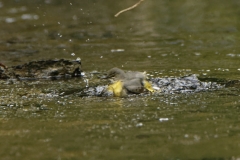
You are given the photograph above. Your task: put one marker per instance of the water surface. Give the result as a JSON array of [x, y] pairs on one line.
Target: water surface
[[164, 38]]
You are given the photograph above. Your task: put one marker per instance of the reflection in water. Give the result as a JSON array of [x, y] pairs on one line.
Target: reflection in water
[[164, 38]]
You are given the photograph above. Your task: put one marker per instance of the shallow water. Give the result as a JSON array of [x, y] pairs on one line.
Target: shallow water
[[164, 38]]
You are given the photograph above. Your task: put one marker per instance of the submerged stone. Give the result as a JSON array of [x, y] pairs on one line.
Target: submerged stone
[[45, 69]]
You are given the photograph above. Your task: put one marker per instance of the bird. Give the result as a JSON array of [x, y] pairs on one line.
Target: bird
[[127, 82], [119, 74]]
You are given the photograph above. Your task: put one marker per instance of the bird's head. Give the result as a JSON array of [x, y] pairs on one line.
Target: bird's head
[[116, 73]]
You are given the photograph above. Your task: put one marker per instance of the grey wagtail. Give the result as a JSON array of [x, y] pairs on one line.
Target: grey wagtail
[[125, 82]]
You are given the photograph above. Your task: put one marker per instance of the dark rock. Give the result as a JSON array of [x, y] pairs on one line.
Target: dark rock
[[45, 69]]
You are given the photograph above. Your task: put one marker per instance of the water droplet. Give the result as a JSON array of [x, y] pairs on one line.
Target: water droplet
[[197, 53], [117, 50], [10, 20], [29, 17], [82, 73], [78, 59], [231, 55], [163, 119], [86, 81], [139, 125]]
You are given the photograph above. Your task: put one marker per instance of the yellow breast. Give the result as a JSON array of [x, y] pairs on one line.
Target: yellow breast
[[116, 88]]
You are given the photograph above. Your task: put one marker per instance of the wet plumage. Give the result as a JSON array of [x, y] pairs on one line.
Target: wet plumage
[[127, 82]]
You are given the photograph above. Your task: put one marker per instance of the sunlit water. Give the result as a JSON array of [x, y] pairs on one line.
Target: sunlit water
[[164, 38]]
